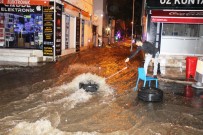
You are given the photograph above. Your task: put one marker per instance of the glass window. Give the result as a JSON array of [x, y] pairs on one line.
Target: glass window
[[83, 31], [67, 32], [187, 30]]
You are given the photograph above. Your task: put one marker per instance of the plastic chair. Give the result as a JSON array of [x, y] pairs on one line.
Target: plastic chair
[[142, 76]]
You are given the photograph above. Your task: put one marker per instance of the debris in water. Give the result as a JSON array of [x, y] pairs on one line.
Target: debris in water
[[89, 87]]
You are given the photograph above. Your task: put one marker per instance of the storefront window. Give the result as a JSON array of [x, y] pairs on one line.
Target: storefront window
[[21, 30], [67, 31], [187, 30]]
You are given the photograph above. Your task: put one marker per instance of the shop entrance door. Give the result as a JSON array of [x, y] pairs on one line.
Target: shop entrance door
[[77, 34], [94, 30]]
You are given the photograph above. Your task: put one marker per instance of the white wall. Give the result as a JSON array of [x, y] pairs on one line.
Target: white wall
[[88, 33], [99, 14], [201, 30], [171, 45]]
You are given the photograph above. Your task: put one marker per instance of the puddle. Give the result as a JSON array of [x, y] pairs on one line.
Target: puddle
[[192, 96]]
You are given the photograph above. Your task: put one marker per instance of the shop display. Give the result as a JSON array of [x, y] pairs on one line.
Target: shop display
[[21, 31]]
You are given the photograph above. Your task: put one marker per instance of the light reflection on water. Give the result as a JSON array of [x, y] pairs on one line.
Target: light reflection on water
[[187, 94]]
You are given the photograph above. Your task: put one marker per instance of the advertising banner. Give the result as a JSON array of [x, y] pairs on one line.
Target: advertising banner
[[48, 35], [58, 28], [48, 27], [174, 4]]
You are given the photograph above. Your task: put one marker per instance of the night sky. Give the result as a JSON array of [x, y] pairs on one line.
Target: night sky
[[122, 9]]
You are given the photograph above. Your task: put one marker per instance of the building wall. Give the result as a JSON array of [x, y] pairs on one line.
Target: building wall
[[97, 19], [87, 35], [86, 5], [75, 9]]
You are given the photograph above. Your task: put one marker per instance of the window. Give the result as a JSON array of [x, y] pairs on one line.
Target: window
[[83, 31], [187, 30], [67, 31]]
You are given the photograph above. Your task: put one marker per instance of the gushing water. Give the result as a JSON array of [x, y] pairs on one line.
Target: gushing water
[[42, 113]]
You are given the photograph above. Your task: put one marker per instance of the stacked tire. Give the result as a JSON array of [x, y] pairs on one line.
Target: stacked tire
[[150, 94]]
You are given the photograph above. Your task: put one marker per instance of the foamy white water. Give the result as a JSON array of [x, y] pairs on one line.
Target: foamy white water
[[42, 113]]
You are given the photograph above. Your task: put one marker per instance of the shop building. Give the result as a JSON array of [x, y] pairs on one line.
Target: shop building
[[103, 25], [40, 30], [176, 28]]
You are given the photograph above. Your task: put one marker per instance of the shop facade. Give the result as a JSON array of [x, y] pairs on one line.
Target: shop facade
[[21, 26], [51, 27], [175, 27]]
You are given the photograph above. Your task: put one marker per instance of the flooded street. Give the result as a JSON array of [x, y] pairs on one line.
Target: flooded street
[[47, 100]]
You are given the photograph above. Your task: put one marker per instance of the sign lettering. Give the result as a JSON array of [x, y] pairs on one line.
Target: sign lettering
[[179, 2], [20, 9], [18, 2], [177, 13], [175, 4]]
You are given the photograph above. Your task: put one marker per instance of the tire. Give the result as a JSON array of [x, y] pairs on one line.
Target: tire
[[150, 94], [89, 87]]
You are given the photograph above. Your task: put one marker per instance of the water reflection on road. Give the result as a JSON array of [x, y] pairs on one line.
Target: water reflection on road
[[191, 96]]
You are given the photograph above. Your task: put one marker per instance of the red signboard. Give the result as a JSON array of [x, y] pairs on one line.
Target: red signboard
[[176, 13], [25, 2], [177, 16], [174, 4], [188, 20]]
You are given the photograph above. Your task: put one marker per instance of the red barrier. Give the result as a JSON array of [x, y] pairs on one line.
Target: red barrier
[[191, 64]]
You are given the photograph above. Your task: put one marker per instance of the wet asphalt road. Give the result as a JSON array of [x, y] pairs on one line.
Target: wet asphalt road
[[180, 112]]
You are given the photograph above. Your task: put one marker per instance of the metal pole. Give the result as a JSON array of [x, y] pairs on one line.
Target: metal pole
[[54, 47], [132, 26]]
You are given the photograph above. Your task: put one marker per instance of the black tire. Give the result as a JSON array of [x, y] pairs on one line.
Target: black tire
[[88, 87], [150, 94], [91, 88]]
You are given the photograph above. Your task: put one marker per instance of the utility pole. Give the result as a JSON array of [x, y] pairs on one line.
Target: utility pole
[[132, 26]]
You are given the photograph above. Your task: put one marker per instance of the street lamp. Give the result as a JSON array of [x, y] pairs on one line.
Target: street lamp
[[131, 48], [107, 30]]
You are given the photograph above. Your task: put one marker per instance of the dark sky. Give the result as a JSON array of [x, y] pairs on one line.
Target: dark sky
[[122, 9]]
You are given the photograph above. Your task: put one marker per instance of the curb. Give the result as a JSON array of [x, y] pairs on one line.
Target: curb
[[175, 81]]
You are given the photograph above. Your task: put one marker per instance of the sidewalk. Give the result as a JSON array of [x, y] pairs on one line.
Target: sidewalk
[[14, 65], [174, 74]]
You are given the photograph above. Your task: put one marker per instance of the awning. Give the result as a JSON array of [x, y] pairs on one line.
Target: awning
[[25, 2], [175, 16]]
